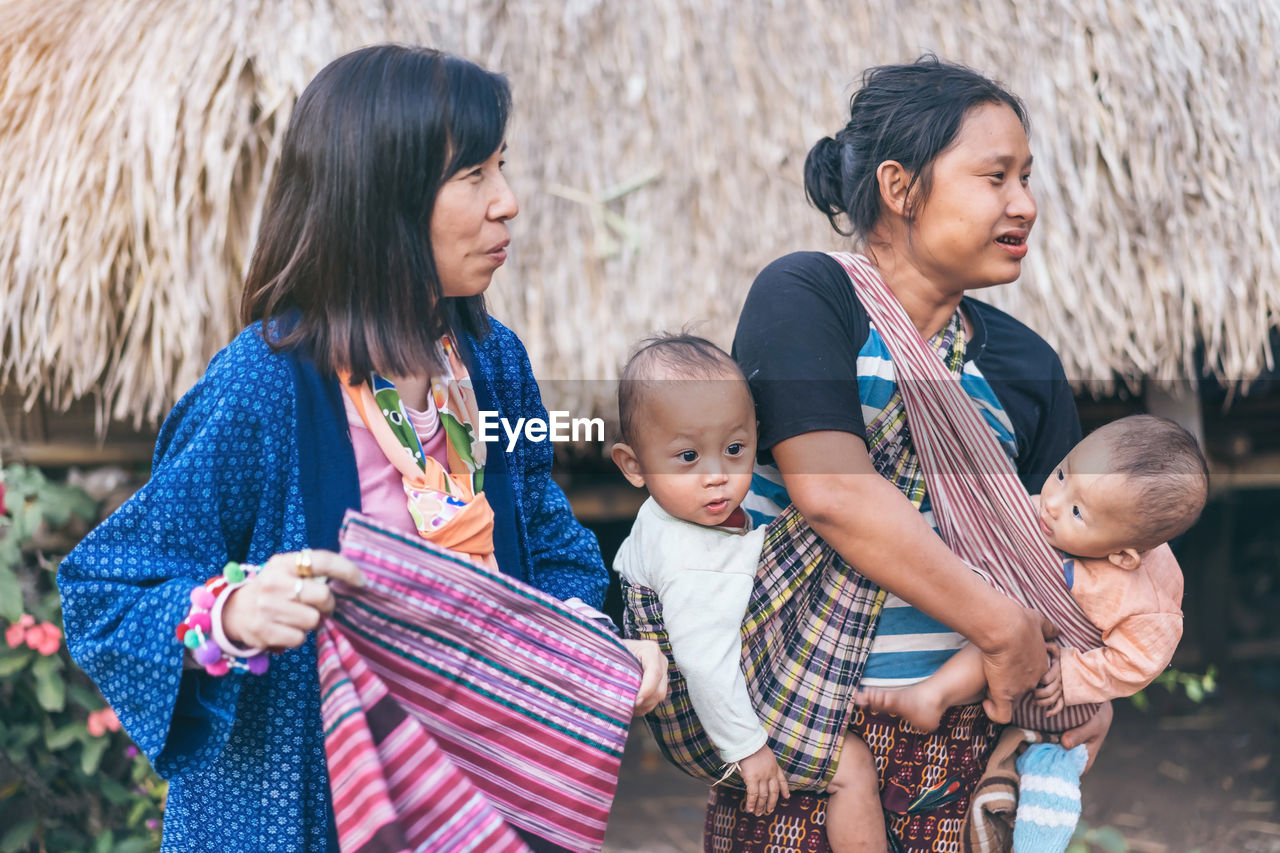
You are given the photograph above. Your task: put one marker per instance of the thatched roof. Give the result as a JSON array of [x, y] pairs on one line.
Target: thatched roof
[[657, 152]]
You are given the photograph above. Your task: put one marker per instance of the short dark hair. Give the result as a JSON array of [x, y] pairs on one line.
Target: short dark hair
[[345, 235], [908, 113], [1166, 470], [687, 356]]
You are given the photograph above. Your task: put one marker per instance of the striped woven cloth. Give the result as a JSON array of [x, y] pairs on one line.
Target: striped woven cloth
[[980, 507], [806, 634], [459, 703]]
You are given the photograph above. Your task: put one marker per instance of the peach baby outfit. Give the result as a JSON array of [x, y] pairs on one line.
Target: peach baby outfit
[[1140, 615]]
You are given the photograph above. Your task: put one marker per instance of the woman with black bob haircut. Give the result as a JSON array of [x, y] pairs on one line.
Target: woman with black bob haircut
[[382, 230], [931, 177], [346, 244]]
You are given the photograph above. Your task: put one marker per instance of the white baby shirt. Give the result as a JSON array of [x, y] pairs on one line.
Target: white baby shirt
[[703, 577]]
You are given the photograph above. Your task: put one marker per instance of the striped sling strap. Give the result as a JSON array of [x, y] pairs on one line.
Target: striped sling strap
[[980, 507]]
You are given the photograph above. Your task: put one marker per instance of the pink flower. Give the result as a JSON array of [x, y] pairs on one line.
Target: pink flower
[[15, 635], [3, 509], [46, 638], [52, 642], [103, 721]]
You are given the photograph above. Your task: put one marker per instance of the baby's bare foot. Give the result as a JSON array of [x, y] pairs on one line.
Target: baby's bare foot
[[914, 704]]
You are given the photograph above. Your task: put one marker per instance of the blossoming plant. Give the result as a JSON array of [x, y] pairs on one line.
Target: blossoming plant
[[70, 779]]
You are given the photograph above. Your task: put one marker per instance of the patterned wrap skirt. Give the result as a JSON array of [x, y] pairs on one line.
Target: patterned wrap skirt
[[926, 781]]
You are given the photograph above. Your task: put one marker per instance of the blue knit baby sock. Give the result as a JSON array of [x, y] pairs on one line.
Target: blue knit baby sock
[[1048, 797]]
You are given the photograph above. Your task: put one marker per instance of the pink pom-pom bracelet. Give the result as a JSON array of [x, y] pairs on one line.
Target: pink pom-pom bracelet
[[196, 630]]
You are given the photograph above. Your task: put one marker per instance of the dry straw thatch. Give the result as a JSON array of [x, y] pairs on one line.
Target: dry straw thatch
[[657, 151]]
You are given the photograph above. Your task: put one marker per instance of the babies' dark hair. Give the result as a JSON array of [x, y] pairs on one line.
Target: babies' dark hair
[[1167, 471], [687, 356], [908, 113]]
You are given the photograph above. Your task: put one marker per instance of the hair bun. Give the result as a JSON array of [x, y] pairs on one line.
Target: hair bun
[[824, 169], [828, 174]]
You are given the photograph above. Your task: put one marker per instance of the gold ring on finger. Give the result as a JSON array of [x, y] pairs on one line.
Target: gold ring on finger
[[304, 563], [297, 589]]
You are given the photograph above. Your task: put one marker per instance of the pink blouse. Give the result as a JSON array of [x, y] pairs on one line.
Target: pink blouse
[[381, 486]]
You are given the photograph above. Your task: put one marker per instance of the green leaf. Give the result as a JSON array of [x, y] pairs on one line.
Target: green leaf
[[1194, 691], [138, 812], [10, 594], [24, 735], [113, 792], [79, 502], [53, 662], [18, 836], [1109, 839], [61, 738], [26, 519], [92, 755], [135, 845], [54, 513], [51, 690], [24, 478], [105, 842], [1140, 701], [58, 502], [15, 660], [10, 553]]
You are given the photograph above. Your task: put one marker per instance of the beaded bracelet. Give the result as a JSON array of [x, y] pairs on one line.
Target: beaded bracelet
[[196, 630]]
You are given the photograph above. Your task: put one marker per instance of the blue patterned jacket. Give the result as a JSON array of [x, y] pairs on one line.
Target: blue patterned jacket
[[256, 460]]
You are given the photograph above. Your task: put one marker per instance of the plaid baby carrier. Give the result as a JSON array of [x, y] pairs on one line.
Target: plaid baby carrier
[[980, 507], [806, 634], [459, 703]]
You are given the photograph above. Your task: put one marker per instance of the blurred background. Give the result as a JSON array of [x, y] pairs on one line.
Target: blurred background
[[656, 151]]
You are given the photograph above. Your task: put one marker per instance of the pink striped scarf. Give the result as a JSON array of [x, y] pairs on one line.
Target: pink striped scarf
[[979, 505], [459, 703]]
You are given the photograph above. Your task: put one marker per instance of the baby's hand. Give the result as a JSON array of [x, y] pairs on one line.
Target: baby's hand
[[764, 780], [1049, 692]]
